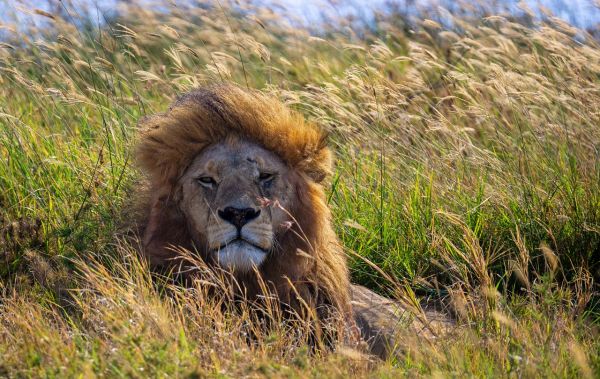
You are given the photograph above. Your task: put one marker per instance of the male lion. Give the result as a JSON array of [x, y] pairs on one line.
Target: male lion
[[236, 177]]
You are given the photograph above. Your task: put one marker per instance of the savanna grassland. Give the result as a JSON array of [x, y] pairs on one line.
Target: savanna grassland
[[467, 170]]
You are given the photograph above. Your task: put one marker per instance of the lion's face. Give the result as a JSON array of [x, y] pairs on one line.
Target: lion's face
[[225, 195], [213, 161]]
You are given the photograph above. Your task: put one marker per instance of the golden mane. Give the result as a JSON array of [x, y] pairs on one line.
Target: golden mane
[[169, 141]]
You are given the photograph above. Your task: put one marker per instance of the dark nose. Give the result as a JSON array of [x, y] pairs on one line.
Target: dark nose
[[238, 216]]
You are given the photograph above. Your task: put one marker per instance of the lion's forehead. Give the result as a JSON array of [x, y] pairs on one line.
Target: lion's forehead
[[235, 156], [235, 166]]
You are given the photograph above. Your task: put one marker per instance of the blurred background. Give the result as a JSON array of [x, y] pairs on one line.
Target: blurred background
[[319, 14]]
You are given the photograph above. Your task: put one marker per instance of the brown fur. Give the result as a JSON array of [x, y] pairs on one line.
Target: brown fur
[[169, 141]]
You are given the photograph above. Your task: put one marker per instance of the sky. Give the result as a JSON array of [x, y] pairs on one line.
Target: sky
[[581, 13]]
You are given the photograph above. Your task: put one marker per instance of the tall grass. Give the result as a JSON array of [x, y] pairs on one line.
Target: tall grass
[[467, 170]]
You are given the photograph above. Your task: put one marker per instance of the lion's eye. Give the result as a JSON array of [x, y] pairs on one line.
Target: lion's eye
[[206, 181], [265, 176]]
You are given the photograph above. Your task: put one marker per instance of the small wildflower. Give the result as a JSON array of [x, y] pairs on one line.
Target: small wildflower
[[264, 202]]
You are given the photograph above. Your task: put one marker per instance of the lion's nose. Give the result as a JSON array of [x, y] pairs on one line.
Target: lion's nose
[[238, 216]]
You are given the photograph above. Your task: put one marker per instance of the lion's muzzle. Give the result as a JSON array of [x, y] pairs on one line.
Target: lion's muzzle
[[242, 239]]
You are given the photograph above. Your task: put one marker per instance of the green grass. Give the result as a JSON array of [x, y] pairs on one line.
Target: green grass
[[467, 170]]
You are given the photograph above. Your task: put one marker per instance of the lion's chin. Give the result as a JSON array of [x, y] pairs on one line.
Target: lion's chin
[[240, 256]]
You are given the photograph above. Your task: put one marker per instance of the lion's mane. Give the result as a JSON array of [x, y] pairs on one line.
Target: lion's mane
[[309, 256]]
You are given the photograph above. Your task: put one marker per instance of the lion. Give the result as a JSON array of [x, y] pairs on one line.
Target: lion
[[237, 177]]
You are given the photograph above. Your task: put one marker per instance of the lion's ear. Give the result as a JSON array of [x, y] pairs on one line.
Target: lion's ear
[[320, 166], [166, 229]]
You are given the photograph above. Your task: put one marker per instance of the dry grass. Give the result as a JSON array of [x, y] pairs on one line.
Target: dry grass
[[467, 172]]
